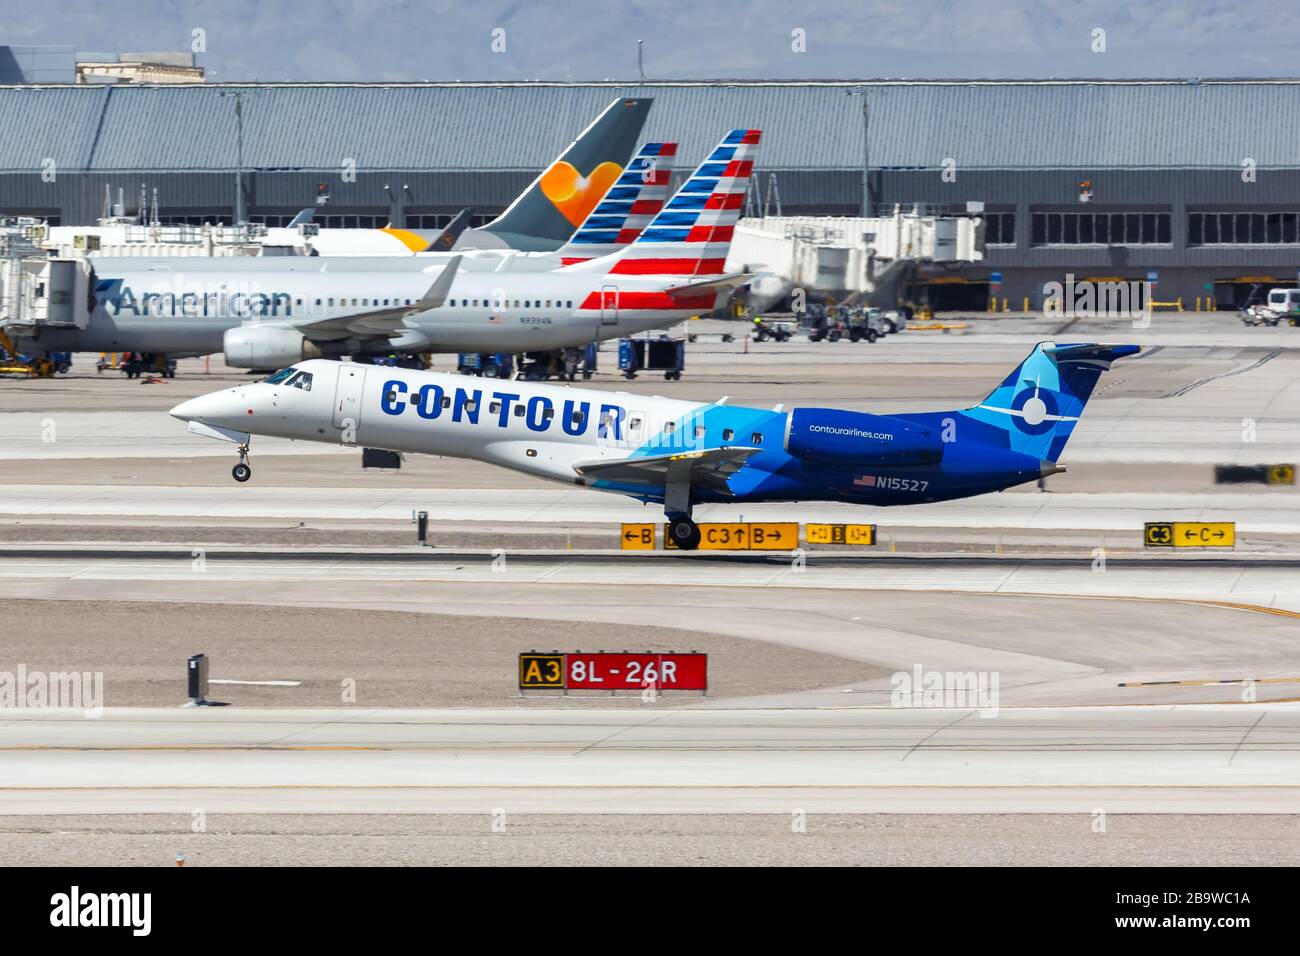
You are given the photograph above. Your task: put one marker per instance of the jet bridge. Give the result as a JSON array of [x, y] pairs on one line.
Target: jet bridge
[[847, 257], [40, 292]]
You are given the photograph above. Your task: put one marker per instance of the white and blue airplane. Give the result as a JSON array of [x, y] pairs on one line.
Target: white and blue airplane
[[670, 452]]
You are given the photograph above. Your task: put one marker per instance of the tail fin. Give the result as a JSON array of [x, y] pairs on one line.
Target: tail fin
[[1038, 405], [446, 240], [627, 208], [691, 236], [545, 214]]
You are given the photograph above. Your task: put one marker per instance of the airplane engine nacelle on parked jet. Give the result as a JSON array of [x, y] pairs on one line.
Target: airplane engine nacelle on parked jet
[[835, 437], [265, 346]]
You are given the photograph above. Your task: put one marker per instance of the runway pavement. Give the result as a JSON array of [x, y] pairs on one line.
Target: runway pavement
[[1055, 634], [1211, 759], [1120, 679]]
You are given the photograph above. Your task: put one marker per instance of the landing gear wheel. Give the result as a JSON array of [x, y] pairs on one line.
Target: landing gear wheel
[[242, 472], [685, 533]]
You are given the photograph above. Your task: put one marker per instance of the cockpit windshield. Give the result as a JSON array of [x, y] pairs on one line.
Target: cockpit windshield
[[279, 376], [290, 378]]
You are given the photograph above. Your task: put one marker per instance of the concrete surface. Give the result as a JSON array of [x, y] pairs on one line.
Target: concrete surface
[[896, 839]]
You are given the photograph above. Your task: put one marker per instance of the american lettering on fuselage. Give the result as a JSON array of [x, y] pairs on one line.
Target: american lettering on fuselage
[[245, 300], [120, 299]]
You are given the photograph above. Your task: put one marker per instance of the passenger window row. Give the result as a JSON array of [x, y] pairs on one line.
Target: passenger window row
[[330, 302], [511, 304]]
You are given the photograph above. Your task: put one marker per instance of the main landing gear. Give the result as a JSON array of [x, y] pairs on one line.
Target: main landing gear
[[242, 472], [684, 532]]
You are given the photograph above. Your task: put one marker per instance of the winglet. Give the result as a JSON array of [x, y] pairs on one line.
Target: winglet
[[437, 293]]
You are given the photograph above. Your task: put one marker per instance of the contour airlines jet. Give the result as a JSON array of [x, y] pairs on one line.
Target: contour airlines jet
[[677, 453]]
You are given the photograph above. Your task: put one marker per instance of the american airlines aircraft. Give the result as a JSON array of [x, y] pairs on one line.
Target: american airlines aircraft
[[270, 312], [677, 453]]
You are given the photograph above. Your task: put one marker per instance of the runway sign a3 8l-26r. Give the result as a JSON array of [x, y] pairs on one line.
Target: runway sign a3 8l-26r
[[605, 671], [1190, 534]]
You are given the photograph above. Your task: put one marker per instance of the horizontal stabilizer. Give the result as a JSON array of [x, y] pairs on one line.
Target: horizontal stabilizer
[[728, 283]]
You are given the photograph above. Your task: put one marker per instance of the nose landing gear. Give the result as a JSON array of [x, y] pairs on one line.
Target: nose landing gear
[[242, 472]]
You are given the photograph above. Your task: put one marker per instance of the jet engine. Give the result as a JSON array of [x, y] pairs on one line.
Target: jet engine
[[835, 437], [266, 346]]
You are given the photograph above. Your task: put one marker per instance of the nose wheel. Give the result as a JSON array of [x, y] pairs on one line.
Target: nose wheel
[[684, 532], [242, 472]]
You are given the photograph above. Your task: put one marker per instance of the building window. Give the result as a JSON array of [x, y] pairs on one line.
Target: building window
[[1243, 228], [351, 222], [1000, 229], [442, 220], [1099, 228]]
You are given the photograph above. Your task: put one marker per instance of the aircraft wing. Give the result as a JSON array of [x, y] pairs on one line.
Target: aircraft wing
[[724, 284], [381, 323], [707, 468]]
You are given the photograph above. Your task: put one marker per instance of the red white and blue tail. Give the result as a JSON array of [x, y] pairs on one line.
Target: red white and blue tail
[[690, 237], [631, 203]]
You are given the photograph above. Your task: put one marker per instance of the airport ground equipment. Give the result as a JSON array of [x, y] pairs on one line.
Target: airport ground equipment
[[397, 360], [1258, 314], [1282, 304], [663, 354], [13, 362], [141, 364], [821, 323], [778, 330], [488, 364]]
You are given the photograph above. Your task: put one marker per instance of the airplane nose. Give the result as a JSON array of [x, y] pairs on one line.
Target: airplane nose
[[186, 411], [212, 408]]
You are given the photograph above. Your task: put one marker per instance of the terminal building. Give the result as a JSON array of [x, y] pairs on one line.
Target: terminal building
[[1193, 185]]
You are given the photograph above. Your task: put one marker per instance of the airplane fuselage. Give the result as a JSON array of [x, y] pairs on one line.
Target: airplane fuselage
[[552, 431], [185, 306]]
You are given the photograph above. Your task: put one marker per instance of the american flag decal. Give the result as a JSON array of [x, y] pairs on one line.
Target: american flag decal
[[864, 481]]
